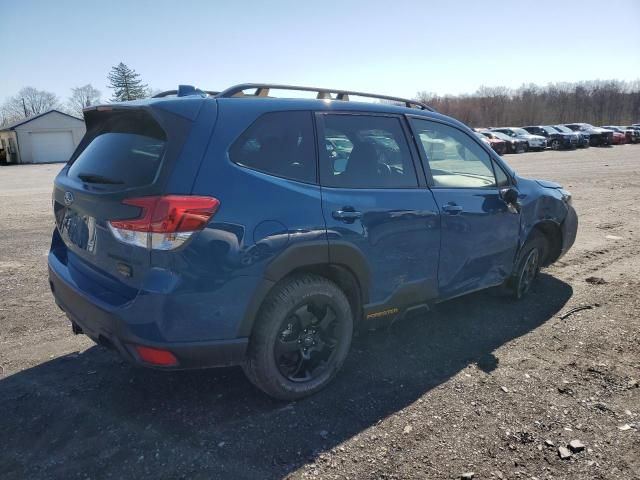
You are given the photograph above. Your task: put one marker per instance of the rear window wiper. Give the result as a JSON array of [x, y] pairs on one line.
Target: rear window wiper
[[94, 178]]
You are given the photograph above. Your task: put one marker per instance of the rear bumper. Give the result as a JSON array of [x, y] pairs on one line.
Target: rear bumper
[[104, 325]]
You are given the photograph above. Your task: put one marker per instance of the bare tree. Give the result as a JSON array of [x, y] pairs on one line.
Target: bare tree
[[599, 102], [82, 97], [28, 102]]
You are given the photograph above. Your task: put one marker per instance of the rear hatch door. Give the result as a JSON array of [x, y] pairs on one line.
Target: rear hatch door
[[126, 153]]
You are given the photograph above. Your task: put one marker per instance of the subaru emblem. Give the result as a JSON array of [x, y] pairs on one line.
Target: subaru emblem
[[68, 198]]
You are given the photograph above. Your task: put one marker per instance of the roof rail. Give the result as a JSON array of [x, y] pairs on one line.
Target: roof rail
[[262, 90], [185, 91]]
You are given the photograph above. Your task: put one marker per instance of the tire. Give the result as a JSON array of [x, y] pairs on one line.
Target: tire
[[555, 145], [289, 332], [530, 258]]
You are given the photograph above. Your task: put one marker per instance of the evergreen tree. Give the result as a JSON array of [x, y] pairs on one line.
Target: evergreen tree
[[126, 84]]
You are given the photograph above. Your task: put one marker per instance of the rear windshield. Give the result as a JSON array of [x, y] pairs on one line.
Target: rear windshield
[[123, 148]]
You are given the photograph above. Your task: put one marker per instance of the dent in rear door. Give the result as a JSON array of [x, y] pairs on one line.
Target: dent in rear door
[[382, 212]]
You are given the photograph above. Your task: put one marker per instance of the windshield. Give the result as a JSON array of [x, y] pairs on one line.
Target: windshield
[[520, 131], [480, 136], [549, 129], [502, 136], [563, 129]]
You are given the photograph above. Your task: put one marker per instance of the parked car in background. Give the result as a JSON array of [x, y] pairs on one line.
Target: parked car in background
[[534, 142], [597, 136], [555, 139], [631, 135], [582, 137], [619, 137], [513, 145], [163, 251], [498, 146], [636, 131]]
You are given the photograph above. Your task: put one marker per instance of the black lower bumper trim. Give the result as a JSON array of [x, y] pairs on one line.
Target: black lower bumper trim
[[190, 355]]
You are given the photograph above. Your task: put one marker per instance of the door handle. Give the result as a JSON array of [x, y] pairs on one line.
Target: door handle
[[347, 214], [452, 208]]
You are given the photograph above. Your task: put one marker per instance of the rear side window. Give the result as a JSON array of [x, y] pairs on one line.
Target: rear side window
[[280, 144], [365, 151], [124, 148]]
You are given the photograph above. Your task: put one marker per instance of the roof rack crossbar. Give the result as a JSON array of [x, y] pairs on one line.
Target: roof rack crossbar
[[166, 93], [262, 90]]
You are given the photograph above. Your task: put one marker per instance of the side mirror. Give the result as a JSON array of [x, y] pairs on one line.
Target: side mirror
[[509, 195]]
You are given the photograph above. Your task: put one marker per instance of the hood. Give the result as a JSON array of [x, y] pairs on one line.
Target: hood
[[548, 184], [598, 130]]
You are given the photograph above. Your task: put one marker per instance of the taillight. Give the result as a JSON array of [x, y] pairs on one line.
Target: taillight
[[164, 222]]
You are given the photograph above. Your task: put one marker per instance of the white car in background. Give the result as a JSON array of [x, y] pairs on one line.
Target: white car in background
[[534, 142]]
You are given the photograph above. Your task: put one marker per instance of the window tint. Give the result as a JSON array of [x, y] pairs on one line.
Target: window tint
[[365, 152], [126, 148], [279, 143], [455, 159]]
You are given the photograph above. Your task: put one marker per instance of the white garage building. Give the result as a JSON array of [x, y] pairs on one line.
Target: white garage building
[[49, 137]]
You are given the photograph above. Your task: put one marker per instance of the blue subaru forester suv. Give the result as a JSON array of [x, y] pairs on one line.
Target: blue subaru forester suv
[[203, 229]]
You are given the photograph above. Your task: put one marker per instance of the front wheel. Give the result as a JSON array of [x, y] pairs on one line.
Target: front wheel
[[528, 266], [301, 337], [555, 145]]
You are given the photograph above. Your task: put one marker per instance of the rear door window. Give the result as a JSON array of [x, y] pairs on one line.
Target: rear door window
[[364, 151], [280, 144], [125, 149]]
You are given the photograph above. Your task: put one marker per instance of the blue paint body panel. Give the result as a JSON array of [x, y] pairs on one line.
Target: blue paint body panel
[[405, 249]]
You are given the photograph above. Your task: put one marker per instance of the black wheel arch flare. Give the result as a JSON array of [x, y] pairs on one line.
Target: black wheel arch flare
[[311, 255]]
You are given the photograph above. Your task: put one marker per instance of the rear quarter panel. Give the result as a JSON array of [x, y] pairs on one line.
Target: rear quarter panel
[[260, 216]]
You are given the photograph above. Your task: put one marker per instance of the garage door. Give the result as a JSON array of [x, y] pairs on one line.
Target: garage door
[[51, 146]]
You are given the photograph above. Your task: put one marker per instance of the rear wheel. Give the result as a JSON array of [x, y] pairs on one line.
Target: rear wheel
[[301, 338], [528, 266]]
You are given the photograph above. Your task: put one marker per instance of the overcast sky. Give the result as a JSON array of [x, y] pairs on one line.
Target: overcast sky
[[393, 46]]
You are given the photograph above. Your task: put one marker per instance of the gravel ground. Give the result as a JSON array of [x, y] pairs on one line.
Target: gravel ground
[[481, 384]]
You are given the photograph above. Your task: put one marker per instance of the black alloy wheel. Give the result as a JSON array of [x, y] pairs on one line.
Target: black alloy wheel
[[301, 337], [530, 260], [528, 273], [307, 341]]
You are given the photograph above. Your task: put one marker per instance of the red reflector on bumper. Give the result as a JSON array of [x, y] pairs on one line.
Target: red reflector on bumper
[[156, 357]]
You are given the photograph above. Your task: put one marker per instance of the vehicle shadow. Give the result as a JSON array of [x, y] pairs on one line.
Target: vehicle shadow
[[93, 415]]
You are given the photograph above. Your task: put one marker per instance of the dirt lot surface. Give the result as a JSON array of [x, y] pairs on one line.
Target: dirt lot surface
[[481, 384]]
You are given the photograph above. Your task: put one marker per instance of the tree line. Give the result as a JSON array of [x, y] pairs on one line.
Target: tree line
[[599, 102], [29, 101]]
